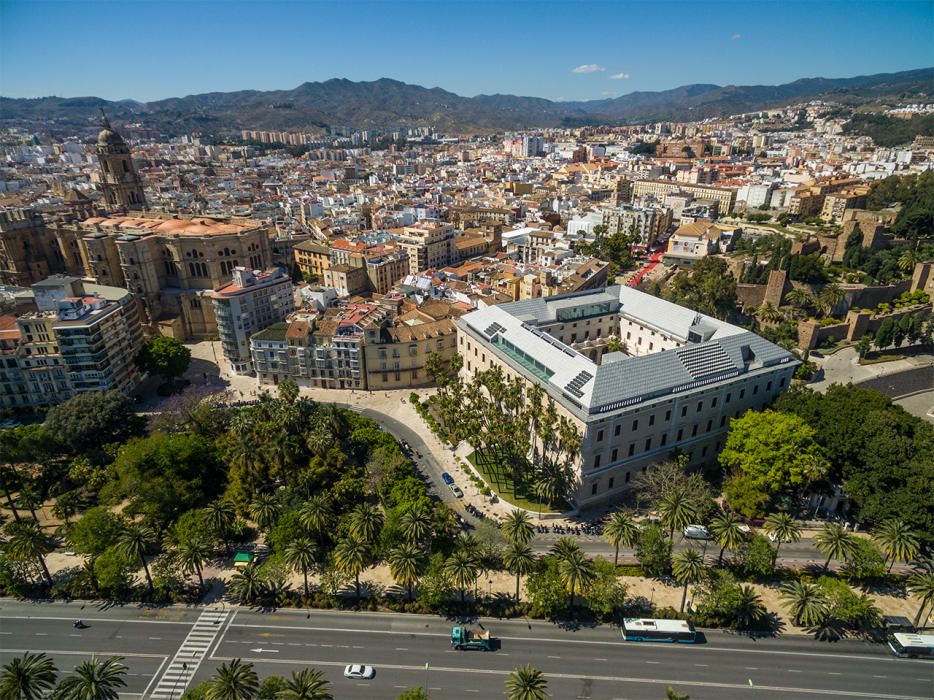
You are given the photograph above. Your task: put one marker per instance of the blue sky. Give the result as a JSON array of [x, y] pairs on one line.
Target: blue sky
[[152, 50]]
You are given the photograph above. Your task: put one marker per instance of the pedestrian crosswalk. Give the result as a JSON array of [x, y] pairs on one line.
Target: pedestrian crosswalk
[[184, 664]]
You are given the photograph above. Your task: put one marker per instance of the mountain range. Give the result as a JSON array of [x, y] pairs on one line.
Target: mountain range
[[387, 102]]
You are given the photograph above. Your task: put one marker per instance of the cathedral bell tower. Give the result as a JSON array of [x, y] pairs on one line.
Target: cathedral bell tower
[[122, 188]]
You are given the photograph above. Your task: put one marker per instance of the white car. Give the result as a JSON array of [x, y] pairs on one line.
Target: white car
[[697, 532], [359, 672]]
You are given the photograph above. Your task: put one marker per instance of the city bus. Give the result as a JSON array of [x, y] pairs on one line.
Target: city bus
[[648, 630], [914, 646]]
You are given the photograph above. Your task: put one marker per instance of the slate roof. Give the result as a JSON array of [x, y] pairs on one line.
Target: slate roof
[[712, 350]]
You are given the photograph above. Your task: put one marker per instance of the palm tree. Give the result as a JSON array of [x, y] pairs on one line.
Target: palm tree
[[247, 584], [29, 543], [307, 684], [565, 547], [517, 527], [907, 261], [835, 542], [677, 510], [351, 555], [729, 532], [768, 313], [576, 572], [526, 683], [233, 681], [191, 554], [620, 528], [897, 541], [220, 517], [27, 677], [133, 542], [782, 528], [415, 525], [316, 514], [365, 523], [688, 567], [806, 602], [829, 297], [921, 583], [800, 299], [97, 679], [749, 608], [300, 555], [519, 560], [265, 510], [462, 568], [405, 562]]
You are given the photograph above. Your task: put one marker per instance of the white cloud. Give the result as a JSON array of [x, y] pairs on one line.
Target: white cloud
[[620, 76], [589, 68], [736, 36]]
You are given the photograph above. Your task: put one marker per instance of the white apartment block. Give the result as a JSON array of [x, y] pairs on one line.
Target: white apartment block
[[682, 378], [252, 301]]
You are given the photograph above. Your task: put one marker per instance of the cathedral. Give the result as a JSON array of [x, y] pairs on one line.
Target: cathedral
[[119, 181]]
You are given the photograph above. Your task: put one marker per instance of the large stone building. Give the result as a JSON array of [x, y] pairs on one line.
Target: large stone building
[[251, 302], [121, 186], [82, 337], [682, 377], [172, 264], [659, 189]]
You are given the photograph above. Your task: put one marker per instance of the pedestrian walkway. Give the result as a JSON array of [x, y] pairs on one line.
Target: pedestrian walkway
[[188, 658]]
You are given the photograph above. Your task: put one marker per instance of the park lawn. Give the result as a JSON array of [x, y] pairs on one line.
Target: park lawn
[[502, 486]]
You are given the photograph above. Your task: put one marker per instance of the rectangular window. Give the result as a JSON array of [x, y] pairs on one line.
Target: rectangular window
[[667, 415], [648, 444], [709, 425], [768, 387], [755, 390], [617, 429], [635, 425], [728, 397], [684, 411], [782, 382], [596, 461], [680, 433], [742, 393], [652, 420], [615, 454], [599, 436], [700, 406], [664, 439], [593, 489], [703, 452], [694, 430], [627, 477], [722, 421], [632, 448], [610, 485], [713, 402]]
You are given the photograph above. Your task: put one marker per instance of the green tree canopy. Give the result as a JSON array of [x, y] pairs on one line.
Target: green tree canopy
[[167, 357], [93, 419], [709, 288], [776, 452]]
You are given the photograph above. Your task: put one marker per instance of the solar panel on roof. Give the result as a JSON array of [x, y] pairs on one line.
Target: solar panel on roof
[[575, 385], [493, 329], [704, 360]]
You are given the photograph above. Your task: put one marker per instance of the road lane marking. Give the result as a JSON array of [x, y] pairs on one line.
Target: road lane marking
[[609, 679], [52, 652], [703, 665], [554, 640], [191, 652]]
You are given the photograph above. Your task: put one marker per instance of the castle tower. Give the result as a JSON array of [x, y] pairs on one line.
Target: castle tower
[[122, 188]]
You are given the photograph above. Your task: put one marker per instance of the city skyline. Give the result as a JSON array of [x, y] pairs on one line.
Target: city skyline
[[411, 42]]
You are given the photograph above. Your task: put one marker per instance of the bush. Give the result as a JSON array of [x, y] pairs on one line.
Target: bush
[[653, 550], [865, 564], [852, 611], [756, 558]]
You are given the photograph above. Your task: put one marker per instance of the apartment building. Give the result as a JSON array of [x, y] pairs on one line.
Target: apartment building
[[694, 241], [808, 200], [400, 361], [643, 224], [659, 189], [312, 258], [252, 301], [82, 337], [428, 245], [682, 377], [836, 204]]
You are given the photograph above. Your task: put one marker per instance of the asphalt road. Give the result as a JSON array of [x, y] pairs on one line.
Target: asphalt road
[[580, 664], [793, 553]]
